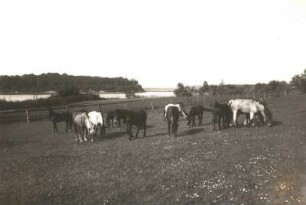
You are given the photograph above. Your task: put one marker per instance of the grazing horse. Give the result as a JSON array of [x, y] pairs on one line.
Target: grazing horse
[[172, 114], [136, 118], [56, 117], [120, 115], [196, 110], [110, 119], [222, 113], [96, 118], [180, 108], [251, 107], [82, 126]]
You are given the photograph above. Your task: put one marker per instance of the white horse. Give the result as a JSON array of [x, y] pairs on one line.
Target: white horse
[[82, 126], [179, 106], [248, 106], [96, 118]]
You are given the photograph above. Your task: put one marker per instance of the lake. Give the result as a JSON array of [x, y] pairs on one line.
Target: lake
[[23, 97]]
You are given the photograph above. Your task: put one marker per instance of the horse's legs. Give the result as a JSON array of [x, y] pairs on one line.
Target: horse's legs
[[54, 127], [219, 122], [169, 125], [193, 120], [214, 120], [136, 136], [200, 118], [70, 126], [101, 130], [86, 134], [81, 135], [175, 126], [75, 132], [252, 118], [264, 116], [66, 123], [235, 118], [144, 129], [129, 130]]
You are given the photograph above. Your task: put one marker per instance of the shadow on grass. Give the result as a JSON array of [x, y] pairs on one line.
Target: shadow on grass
[[155, 135], [122, 133], [190, 132], [276, 123], [113, 135], [8, 143]]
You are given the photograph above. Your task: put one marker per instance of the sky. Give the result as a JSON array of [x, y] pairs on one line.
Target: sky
[[157, 42]]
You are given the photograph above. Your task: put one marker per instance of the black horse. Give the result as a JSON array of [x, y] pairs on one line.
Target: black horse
[[137, 118], [196, 110], [120, 115], [172, 116], [110, 119], [56, 117], [222, 113]]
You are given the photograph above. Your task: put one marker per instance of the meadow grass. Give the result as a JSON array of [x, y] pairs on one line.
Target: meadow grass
[[200, 166]]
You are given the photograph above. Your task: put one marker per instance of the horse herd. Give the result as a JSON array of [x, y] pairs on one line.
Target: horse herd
[[87, 124]]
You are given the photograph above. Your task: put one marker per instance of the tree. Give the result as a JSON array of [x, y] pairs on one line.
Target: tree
[[182, 91], [299, 81], [204, 89]]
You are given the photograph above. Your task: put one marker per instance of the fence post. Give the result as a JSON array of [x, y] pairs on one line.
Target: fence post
[[152, 107], [27, 116], [100, 108]]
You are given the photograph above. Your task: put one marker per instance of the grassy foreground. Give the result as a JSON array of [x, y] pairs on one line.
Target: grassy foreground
[[200, 166]]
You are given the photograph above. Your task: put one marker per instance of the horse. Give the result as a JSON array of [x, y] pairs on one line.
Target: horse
[[56, 117], [96, 118], [179, 106], [137, 118], [82, 127], [172, 115], [222, 113], [251, 107], [110, 119], [196, 110], [120, 115]]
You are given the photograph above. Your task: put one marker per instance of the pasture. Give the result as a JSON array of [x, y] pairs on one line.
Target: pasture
[[265, 165]]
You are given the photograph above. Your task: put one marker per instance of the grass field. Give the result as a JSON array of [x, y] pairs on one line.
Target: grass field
[[200, 166]]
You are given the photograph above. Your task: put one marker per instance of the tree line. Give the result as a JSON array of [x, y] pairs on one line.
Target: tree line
[[65, 84], [297, 82]]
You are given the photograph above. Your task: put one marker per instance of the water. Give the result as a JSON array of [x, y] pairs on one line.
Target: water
[[23, 97], [142, 95], [107, 95]]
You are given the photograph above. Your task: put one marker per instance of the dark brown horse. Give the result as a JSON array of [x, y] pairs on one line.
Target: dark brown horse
[[222, 113], [120, 115], [135, 118], [172, 116], [110, 119], [56, 117], [196, 110]]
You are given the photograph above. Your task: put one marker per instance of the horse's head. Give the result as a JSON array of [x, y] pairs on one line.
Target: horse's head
[[90, 126], [188, 120], [269, 116], [116, 119]]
